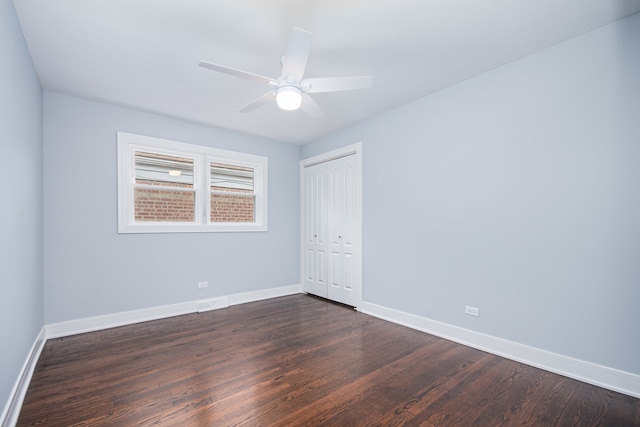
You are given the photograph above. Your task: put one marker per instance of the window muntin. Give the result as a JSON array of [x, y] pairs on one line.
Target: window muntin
[[167, 186]]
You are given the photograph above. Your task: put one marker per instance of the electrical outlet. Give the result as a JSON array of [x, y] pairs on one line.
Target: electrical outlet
[[472, 311], [203, 284]]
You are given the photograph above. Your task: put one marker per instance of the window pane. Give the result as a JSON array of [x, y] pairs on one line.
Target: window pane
[[231, 178], [232, 208], [162, 205], [229, 207], [158, 169]]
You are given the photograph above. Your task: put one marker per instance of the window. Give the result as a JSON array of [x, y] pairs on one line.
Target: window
[[166, 186]]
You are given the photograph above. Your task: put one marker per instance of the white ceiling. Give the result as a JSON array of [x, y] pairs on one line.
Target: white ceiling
[[145, 53]]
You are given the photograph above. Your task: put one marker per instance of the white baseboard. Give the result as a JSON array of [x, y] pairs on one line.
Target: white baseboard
[[16, 397], [601, 376], [90, 324], [97, 323], [246, 297]]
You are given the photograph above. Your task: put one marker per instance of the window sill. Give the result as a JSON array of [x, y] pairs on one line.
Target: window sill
[[189, 228]]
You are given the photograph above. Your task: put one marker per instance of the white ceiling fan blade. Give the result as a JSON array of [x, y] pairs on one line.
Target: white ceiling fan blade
[[264, 99], [310, 107], [295, 58], [236, 73], [335, 84]]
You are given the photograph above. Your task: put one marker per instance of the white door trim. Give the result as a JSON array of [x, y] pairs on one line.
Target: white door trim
[[353, 149]]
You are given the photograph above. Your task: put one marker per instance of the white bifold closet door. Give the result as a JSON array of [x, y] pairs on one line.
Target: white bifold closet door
[[329, 229], [314, 229]]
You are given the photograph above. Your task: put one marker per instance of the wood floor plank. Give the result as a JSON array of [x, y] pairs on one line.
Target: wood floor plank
[[299, 361], [434, 389]]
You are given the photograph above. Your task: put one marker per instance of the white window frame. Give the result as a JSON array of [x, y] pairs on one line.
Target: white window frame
[[129, 143]]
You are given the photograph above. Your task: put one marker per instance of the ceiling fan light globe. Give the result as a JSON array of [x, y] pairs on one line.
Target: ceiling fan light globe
[[289, 98]]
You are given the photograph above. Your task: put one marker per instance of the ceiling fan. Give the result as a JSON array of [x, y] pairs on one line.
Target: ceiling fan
[[291, 90]]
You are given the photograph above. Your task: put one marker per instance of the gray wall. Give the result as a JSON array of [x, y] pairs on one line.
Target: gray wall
[[21, 300], [92, 270], [517, 192]]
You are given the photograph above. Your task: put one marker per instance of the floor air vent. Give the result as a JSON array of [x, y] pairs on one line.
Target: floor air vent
[[212, 304]]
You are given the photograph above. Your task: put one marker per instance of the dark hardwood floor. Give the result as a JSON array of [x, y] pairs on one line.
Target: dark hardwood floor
[[298, 361]]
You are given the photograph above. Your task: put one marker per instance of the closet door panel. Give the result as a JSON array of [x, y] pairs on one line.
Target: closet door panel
[[314, 228], [341, 227]]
